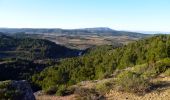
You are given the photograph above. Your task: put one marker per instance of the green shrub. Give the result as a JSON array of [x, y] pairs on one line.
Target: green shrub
[[149, 73], [161, 66], [145, 70], [104, 87], [152, 70], [132, 82], [140, 68], [61, 90]]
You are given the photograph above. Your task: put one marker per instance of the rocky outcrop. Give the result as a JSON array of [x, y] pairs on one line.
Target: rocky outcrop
[[16, 90]]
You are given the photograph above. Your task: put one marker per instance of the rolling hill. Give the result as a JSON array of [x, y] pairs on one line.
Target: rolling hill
[[28, 48]]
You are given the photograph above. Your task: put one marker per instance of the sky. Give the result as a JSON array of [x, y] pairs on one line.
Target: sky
[[143, 15]]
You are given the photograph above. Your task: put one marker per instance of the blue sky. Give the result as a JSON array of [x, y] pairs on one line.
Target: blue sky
[[145, 15]]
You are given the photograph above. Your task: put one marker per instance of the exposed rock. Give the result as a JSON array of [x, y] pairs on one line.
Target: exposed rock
[[16, 90]]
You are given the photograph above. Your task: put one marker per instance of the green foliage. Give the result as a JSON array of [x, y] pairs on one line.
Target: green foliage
[[61, 90], [137, 80], [104, 87], [162, 65], [152, 70]]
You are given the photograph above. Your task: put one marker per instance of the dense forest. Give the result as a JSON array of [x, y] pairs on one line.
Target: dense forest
[[20, 69], [101, 62]]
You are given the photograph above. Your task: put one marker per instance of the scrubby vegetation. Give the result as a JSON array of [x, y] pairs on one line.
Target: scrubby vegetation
[[137, 79], [105, 87], [132, 82]]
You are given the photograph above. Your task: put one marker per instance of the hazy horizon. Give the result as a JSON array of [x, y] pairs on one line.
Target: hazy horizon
[[132, 15]]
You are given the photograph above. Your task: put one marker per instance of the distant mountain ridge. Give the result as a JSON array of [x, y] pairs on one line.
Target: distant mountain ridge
[[98, 29], [84, 31], [154, 32]]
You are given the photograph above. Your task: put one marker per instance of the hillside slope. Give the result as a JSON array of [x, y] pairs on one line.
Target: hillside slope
[[103, 62]]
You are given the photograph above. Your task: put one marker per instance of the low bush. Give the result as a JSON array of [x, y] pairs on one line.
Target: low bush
[[51, 90], [149, 73], [61, 90], [104, 87], [132, 82]]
